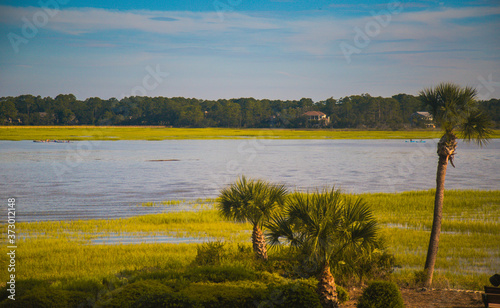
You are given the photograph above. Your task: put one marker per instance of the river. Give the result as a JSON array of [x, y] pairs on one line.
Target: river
[[109, 179]]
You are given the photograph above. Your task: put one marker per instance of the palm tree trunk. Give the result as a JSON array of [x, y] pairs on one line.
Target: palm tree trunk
[[259, 243], [446, 149], [326, 288]]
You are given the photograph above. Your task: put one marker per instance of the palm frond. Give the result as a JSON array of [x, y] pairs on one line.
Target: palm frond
[[477, 128], [449, 104], [322, 224], [250, 200], [278, 228]]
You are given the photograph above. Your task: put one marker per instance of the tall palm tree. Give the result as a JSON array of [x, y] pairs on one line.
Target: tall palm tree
[[253, 201], [456, 111], [323, 225]]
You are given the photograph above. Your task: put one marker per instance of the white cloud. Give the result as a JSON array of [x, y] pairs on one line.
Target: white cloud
[[316, 36], [87, 20], [276, 48]]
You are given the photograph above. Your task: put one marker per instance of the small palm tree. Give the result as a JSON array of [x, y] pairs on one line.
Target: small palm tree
[[323, 225], [253, 201], [456, 111]]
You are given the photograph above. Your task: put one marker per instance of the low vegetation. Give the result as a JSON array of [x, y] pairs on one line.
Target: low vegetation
[[381, 294], [59, 265], [74, 133], [325, 228]]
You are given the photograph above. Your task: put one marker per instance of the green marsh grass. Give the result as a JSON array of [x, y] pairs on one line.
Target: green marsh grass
[[163, 133], [468, 249], [162, 203], [203, 223], [62, 251]]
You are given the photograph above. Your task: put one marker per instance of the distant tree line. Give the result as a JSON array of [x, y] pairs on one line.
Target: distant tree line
[[356, 111]]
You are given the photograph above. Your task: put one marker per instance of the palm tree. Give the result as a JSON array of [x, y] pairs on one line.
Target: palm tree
[[455, 110], [323, 225], [253, 201]]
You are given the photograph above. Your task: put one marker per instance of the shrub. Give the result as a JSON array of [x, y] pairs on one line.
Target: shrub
[[177, 284], [89, 286], [22, 287], [153, 300], [221, 273], [419, 278], [296, 294], [210, 253], [342, 294], [114, 282], [127, 295], [220, 295], [47, 297], [381, 294], [147, 273], [271, 278], [372, 264]]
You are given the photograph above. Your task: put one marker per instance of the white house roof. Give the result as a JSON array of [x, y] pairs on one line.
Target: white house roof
[[424, 114]]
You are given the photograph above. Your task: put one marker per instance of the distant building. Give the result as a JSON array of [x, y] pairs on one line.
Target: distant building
[[317, 116], [422, 118]]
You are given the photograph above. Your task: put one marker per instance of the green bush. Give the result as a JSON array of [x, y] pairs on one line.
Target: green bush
[[373, 264], [22, 287], [177, 284], [419, 278], [244, 250], [210, 253], [127, 295], [342, 294], [93, 287], [152, 300], [381, 294], [231, 294], [42, 297], [148, 273], [115, 281], [296, 294], [271, 278], [220, 273]]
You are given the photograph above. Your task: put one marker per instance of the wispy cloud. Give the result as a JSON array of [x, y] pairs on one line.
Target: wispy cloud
[[86, 20], [425, 37], [163, 18], [312, 35]]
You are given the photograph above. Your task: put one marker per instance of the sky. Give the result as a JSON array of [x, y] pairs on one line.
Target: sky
[[274, 49]]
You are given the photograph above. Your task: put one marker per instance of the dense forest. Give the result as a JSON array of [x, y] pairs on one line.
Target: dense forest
[[356, 111]]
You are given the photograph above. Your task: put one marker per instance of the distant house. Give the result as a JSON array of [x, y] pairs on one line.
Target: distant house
[[422, 118], [317, 116]]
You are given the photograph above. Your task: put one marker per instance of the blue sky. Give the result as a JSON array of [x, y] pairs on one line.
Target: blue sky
[[281, 49]]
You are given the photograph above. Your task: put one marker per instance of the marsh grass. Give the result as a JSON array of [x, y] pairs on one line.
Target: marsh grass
[[203, 223], [195, 204], [162, 203], [468, 249], [465, 210], [62, 251], [162, 133]]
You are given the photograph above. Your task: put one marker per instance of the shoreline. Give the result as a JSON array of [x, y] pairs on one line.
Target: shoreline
[[155, 133], [200, 205]]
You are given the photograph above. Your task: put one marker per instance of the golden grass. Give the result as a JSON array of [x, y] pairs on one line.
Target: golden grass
[[162, 133]]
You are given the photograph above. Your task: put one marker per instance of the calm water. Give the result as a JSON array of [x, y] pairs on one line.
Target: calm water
[[102, 179]]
